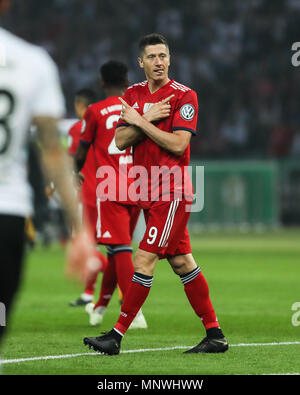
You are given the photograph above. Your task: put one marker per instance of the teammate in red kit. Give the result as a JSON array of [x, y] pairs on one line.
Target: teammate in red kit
[[87, 190], [158, 118], [117, 214]]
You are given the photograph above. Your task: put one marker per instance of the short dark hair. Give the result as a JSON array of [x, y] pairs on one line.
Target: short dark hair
[[114, 73], [152, 39], [88, 96]]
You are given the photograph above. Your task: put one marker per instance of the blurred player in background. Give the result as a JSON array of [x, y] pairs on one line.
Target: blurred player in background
[[30, 92], [117, 217], [86, 189], [158, 118]]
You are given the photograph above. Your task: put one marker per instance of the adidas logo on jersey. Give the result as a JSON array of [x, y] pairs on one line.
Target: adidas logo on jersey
[[147, 107], [135, 105], [106, 234]]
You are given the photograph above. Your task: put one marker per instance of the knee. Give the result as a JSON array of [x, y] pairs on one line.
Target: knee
[[182, 264], [144, 262], [178, 268]]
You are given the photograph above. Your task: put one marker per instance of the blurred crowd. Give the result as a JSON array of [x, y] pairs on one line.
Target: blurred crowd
[[235, 54]]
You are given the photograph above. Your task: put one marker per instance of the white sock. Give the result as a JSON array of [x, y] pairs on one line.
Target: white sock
[[100, 310]]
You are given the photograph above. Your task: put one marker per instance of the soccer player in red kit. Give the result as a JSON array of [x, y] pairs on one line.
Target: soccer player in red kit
[[87, 191], [158, 118], [117, 214]]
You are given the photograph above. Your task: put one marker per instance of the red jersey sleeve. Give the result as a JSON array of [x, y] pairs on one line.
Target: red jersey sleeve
[[186, 113], [89, 127], [73, 139]]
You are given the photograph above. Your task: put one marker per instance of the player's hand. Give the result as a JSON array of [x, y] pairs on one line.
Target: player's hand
[[159, 110], [79, 253], [129, 114]]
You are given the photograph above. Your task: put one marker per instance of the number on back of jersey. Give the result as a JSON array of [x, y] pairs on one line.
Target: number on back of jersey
[[7, 104]]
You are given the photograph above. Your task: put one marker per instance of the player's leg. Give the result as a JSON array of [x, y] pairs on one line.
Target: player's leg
[[120, 295], [197, 292], [139, 321], [106, 233], [12, 239], [167, 238], [108, 285], [119, 269], [96, 260], [124, 266], [178, 252], [145, 260], [144, 263], [114, 229], [126, 217], [138, 289], [89, 216]]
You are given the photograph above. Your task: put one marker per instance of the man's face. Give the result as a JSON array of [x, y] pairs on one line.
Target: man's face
[[79, 108], [155, 61]]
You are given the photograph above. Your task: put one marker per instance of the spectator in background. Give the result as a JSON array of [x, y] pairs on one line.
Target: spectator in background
[[223, 50]]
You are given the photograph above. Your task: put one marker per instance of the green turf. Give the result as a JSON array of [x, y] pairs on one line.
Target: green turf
[[253, 279]]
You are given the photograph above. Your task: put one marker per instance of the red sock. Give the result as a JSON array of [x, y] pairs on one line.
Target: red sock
[[109, 282], [196, 289], [137, 293], [124, 267]]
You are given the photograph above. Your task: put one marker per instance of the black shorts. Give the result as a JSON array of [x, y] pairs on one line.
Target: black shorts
[[12, 240]]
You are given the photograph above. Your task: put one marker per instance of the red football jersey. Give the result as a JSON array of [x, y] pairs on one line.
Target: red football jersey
[[100, 120], [88, 190], [183, 116]]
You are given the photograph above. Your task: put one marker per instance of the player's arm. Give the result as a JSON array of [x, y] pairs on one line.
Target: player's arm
[[80, 156], [127, 136], [47, 107], [175, 142], [58, 169], [57, 166], [88, 132], [78, 176]]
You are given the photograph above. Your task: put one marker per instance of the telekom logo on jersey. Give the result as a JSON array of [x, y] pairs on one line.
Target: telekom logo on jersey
[[163, 183]]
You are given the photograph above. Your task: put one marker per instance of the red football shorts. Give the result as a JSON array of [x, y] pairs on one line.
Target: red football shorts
[[116, 222], [166, 229]]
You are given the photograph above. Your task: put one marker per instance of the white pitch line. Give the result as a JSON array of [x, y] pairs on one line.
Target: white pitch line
[[263, 344], [19, 360]]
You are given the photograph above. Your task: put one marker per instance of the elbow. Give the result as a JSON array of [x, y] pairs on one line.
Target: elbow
[[178, 151], [119, 143], [120, 146]]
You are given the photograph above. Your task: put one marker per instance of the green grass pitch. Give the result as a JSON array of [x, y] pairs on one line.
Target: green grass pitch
[[253, 280]]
